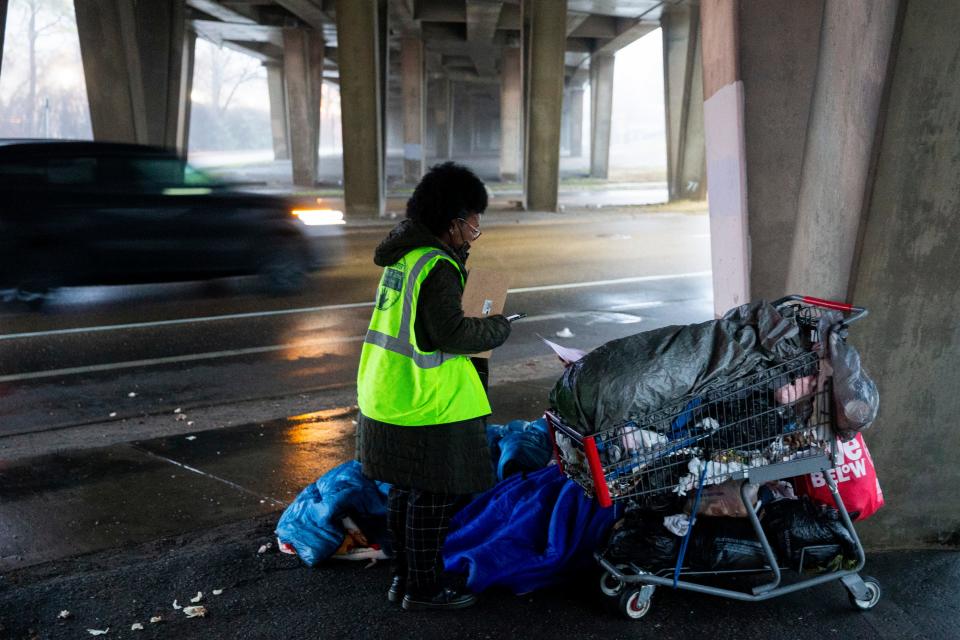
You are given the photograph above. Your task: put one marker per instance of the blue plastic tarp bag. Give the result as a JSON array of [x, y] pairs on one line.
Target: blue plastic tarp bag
[[519, 446], [526, 533], [312, 523]]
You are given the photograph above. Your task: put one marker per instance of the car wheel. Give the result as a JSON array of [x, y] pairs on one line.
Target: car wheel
[[284, 270]]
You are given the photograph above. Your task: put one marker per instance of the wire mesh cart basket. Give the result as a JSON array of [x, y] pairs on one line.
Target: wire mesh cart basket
[[720, 435]]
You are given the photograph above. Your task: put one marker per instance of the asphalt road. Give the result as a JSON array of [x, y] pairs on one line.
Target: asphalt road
[[112, 353]]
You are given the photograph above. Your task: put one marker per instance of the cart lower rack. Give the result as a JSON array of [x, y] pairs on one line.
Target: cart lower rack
[[772, 424]]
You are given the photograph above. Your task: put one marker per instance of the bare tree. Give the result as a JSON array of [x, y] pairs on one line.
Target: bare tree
[[34, 32], [227, 78]]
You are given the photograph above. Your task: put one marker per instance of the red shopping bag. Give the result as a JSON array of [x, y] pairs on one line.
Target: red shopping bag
[[856, 480]]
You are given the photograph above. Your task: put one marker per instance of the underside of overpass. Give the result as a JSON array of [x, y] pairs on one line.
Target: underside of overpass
[[505, 80]]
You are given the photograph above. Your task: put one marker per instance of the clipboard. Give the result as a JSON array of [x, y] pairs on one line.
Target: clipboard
[[484, 296]]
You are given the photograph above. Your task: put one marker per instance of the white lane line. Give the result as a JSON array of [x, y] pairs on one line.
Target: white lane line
[[332, 307], [192, 357], [211, 476]]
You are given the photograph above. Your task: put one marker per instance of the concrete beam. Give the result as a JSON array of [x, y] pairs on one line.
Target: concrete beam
[[440, 10], [509, 18], [309, 11], [132, 57], [220, 12], [279, 123], [601, 113], [262, 51], [358, 35], [596, 27], [511, 115], [303, 77], [219, 32], [414, 122], [574, 20], [548, 22], [482, 19], [628, 31]]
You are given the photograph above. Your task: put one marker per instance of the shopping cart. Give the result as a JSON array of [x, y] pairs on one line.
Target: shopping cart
[[728, 433]]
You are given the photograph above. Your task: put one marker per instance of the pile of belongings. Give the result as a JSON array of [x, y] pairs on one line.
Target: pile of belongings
[[805, 536], [343, 514]]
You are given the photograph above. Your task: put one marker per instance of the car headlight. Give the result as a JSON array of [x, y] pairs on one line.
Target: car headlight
[[318, 217]]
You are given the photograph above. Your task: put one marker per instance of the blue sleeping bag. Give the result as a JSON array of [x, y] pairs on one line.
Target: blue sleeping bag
[[312, 522], [526, 533], [519, 446]]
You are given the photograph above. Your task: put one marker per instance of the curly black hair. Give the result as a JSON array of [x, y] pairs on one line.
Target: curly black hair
[[447, 191]]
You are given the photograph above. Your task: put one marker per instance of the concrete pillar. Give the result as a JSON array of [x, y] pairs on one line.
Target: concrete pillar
[[186, 88], [511, 115], [759, 66], [279, 125], [442, 117], [601, 112], [359, 57], [575, 97], [132, 54], [303, 75], [413, 86], [3, 27], [906, 274], [839, 147], [683, 94], [548, 22]]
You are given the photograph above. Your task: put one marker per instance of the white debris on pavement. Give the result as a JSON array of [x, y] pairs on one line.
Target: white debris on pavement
[[565, 333], [177, 410], [189, 423], [136, 626], [64, 614], [132, 394], [176, 606], [113, 414], [217, 592], [265, 547], [195, 612], [181, 417], [191, 437], [197, 598], [98, 632], [156, 619]]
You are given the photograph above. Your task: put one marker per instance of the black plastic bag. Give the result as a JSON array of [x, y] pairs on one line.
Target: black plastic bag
[[640, 537], [795, 525], [719, 544]]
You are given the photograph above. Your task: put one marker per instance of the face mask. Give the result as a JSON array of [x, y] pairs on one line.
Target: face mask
[[463, 251]]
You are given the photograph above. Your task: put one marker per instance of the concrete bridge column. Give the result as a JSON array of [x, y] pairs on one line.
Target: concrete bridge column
[[575, 97], [511, 115], [683, 94], [413, 87], [133, 65], [279, 127], [359, 56], [3, 27], [548, 22], [303, 51], [601, 113], [759, 67], [186, 88]]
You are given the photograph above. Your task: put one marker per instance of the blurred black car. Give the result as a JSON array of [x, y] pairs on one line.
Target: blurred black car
[[87, 213]]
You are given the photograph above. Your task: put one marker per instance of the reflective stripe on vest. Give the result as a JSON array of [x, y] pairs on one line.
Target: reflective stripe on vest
[[396, 382]]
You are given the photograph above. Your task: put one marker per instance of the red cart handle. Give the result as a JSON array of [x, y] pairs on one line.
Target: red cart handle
[[855, 313]]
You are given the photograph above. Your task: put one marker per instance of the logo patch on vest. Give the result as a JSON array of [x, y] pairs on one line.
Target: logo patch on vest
[[390, 287]]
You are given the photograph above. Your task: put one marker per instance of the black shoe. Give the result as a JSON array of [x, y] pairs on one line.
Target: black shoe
[[446, 599], [397, 586]]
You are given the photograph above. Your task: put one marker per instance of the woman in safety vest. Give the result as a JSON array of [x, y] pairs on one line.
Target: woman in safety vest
[[423, 401]]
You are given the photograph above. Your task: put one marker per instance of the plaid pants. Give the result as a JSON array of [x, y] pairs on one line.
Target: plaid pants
[[418, 522]]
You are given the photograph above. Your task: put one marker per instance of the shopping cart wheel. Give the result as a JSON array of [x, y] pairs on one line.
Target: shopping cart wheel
[[610, 586], [635, 603], [873, 594]]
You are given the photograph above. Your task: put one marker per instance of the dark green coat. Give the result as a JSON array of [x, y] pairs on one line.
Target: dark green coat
[[450, 458]]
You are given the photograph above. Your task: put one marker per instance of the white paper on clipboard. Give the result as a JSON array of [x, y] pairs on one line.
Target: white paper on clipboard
[[567, 354]]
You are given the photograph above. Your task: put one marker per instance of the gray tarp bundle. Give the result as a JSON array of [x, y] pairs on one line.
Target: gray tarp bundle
[[627, 378]]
